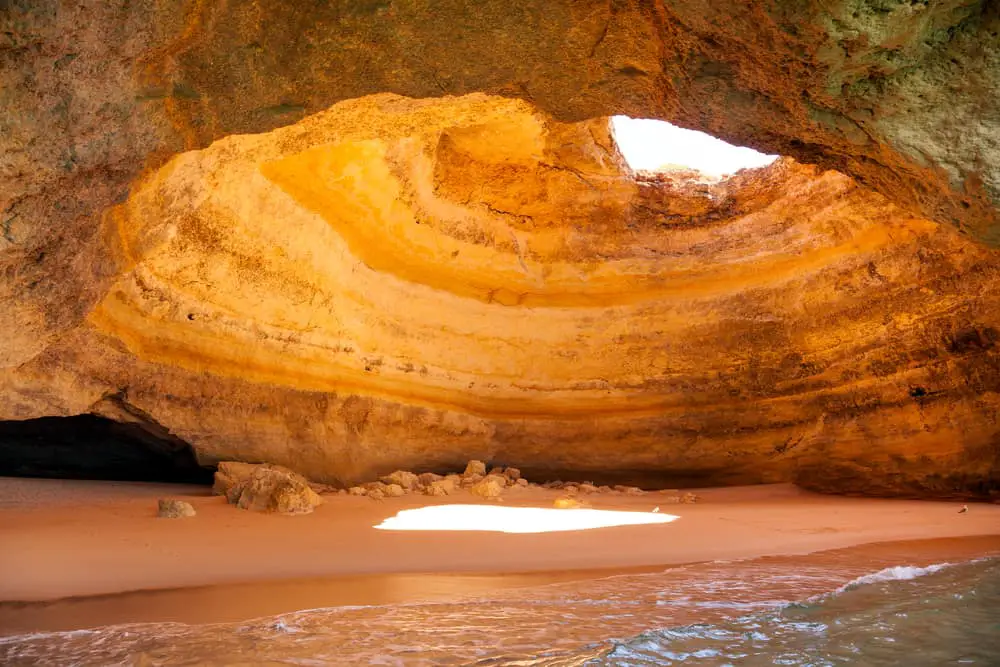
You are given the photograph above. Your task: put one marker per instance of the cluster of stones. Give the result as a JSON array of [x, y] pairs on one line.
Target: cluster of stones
[[491, 485], [475, 479], [265, 487]]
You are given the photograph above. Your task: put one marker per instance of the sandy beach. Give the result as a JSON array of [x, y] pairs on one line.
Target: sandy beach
[[80, 554]]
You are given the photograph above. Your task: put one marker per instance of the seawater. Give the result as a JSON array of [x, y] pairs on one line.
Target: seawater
[[834, 609]]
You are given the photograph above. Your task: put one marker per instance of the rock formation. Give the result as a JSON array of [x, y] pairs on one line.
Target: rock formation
[[265, 488], [373, 282]]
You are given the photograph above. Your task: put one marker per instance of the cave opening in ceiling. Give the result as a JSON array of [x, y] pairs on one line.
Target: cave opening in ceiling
[[92, 447], [657, 146]]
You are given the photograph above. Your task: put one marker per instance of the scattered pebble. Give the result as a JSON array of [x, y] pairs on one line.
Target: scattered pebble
[[174, 509]]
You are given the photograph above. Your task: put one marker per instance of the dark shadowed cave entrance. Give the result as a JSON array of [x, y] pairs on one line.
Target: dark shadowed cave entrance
[[91, 447]]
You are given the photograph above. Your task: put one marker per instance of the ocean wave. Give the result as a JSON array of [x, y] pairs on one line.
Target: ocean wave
[[895, 573], [708, 612]]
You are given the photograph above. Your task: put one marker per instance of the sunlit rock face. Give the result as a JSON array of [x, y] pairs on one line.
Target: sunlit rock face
[[899, 94], [397, 283]]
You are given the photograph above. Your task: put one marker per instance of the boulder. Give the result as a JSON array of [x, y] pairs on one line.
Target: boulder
[[522, 482], [174, 509], [394, 491], [266, 488], [499, 479], [587, 488], [512, 474], [488, 487], [441, 487], [471, 480], [376, 494], [229, 474], [689, 498], [475, 468], [357, 491], [427, 478], [629, 490], [407, 480]]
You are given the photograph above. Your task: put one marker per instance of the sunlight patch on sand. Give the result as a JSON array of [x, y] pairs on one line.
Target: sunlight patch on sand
[[496, 519]]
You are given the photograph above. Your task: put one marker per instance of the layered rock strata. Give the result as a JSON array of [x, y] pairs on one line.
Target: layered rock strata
[[406, 284], [898, 94]]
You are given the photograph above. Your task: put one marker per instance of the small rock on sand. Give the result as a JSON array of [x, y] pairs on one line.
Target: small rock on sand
[[174, 509]]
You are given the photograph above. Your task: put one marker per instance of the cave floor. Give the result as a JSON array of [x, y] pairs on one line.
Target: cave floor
[[80, 539]]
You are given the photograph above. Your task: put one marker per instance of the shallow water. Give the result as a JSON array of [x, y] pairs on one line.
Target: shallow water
[[826, 609]]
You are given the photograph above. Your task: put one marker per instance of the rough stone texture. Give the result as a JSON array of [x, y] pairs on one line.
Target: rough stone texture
[[443, 487], [265, 488], [488, 487], [403, 479], [394, 491], [231, 475], [396, 283], [174, 509], [474, 468], [896, 93]]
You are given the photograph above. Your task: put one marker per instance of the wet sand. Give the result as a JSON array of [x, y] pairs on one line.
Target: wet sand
[[100, 542]]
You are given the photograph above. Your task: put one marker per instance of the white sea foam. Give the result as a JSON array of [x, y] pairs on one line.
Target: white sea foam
[[894, 573]]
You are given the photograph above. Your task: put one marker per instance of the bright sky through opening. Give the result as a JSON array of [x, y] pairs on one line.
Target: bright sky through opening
[[499, 519], [649, 145]]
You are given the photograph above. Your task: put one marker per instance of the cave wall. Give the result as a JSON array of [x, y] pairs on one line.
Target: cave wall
[[897, 94], [412, 283], [260, 308]]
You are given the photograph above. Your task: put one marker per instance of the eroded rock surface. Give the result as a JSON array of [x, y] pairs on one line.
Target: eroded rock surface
[[265, 488], [384, 283], [402, 284], [899, 94]]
